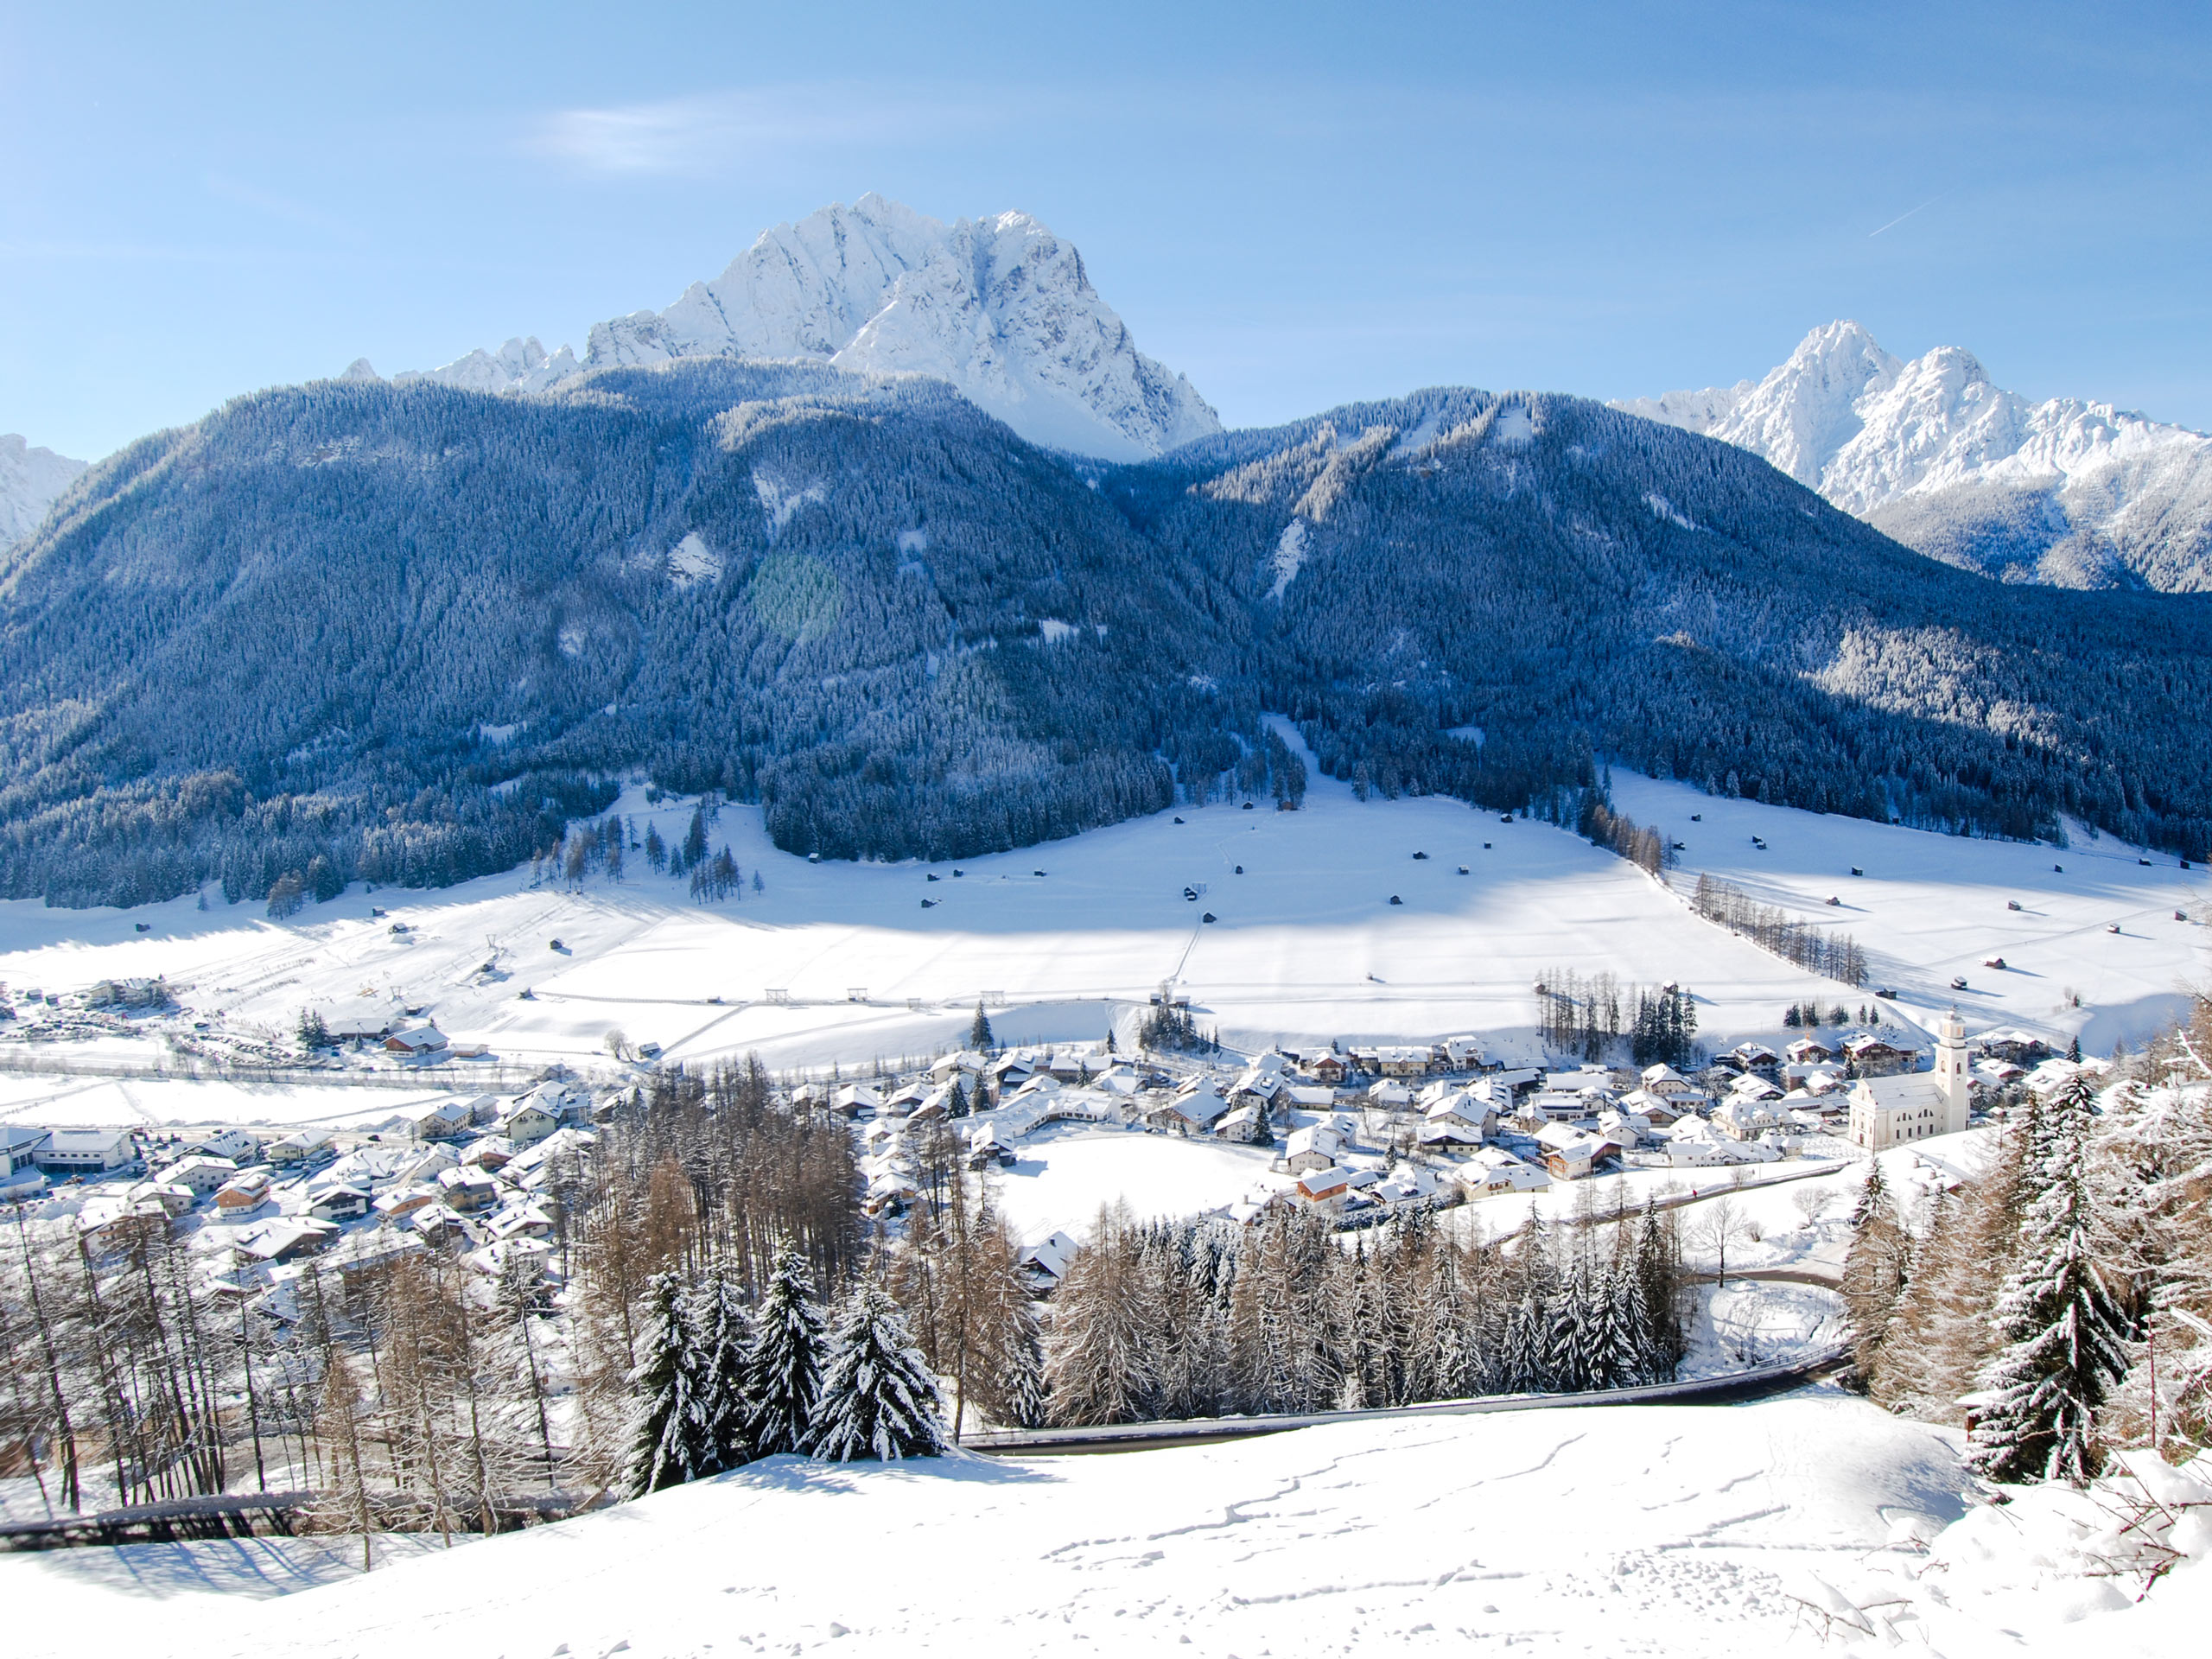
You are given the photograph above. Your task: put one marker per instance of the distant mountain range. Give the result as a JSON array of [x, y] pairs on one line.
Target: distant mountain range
[[890, 529], [30, 481], [2066, 493], [999, 306]]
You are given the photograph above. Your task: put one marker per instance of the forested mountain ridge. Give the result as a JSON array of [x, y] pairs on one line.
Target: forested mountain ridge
[[1555, 573], [405, 633]]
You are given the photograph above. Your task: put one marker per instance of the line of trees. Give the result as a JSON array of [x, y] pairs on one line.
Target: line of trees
[[1817, 951], [1162, 1320], [1589, 1015], [1645, 847]]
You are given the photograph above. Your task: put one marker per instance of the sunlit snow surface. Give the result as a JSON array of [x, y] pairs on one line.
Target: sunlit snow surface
[[1307, 947], [1661, 1531], [1685, 1529]]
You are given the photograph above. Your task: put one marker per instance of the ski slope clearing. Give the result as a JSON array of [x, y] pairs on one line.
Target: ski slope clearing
[[843, 963], [1646, 1530]]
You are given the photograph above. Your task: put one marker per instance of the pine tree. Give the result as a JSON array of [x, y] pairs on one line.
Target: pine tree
[[1618, 1356], [784, 1370], [878, 1399], [670, 1442], [978, 1033], [955, 1104], [1659, 1278], [1874, 1268], [2066, 1335], [1520, 1362], [1021, 1381], [1570, 1333], [723, 1337]]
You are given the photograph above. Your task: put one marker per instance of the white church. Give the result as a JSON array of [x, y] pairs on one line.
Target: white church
[[1890, 1111]]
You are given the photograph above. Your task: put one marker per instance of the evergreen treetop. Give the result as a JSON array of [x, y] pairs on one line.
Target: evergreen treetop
[[784, 1368], [878, 1399]]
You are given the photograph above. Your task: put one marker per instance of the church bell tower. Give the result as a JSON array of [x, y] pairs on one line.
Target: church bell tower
[[1951, 1071]]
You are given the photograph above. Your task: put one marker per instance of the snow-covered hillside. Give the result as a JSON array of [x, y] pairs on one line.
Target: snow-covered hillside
[[1307, 947], [29, 480], [2067, 491], [1693, 1530], [998, 306]]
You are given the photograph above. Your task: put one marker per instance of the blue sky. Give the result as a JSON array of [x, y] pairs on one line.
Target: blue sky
[[1294, 204]]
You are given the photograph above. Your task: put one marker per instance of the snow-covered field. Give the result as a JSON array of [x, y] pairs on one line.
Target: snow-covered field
[[1061, 1179], [1932, 908], [1618, 1530], [1307, 946]]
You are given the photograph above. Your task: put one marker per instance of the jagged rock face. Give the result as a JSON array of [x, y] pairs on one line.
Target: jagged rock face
[[999, 306], [519, 365], [2064, 492], [30, 481]]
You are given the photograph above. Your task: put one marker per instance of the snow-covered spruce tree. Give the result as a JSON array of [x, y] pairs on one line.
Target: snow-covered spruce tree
[[724, 1338], [2065, 1335], [878, 1399], [1659, 1287], [1621, 1359], [1570, 1332], [783, 1369], [1874, 1268], [1521, 1364], [671, 1441], [979, 1030]]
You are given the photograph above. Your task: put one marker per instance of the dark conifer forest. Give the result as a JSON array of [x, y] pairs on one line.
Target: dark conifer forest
[[349, 631]]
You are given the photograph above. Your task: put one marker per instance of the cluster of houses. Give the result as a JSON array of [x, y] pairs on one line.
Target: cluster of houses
[[1360, 1130], [468, 1174]]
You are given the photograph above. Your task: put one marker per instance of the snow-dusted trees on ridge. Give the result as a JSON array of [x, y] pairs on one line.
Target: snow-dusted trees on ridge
[[528, 643], [1160, 1321]]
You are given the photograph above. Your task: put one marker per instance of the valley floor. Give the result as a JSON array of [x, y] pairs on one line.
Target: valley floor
[[842, 964]]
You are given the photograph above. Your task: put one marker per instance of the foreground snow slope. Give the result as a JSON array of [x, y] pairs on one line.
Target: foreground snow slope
[[1658, 1530], [1307, 946]]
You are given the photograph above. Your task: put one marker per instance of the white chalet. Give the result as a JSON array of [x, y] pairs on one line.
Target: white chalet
[[1494, 1170], [201, 1177], [526, 1122], [1311, 1148]]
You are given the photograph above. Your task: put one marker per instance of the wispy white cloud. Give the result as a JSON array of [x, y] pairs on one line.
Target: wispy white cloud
[[754, 128]]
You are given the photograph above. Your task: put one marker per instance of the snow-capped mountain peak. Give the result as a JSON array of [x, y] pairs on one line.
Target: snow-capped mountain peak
[[30, 481], [999, 306], [1934, 452], [519, 365]]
